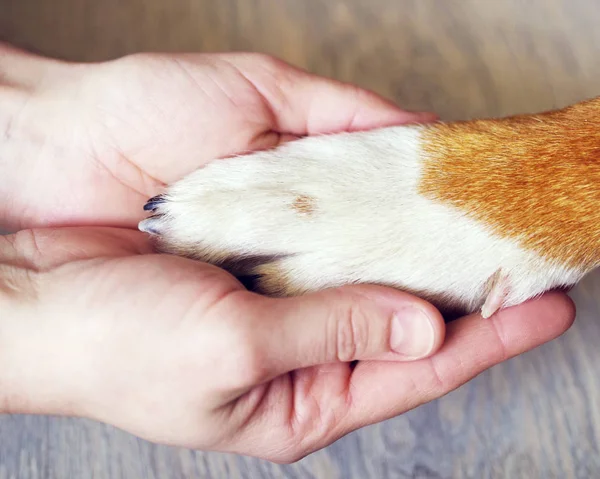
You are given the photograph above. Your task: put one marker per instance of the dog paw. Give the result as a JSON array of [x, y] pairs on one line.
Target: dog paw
[[281, 218], [333, 210]]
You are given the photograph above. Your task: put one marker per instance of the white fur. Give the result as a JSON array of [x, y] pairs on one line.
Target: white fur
[[369, 223]]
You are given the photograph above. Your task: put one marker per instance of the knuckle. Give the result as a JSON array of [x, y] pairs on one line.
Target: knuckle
[[237, 345], [351, 334], [247, 362]]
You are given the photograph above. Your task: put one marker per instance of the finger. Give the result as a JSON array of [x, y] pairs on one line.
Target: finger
[[306, 104], [316, 105], [343, 325], [382, 390], [41, 249]]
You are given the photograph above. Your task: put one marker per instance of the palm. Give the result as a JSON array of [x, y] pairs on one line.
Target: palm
[[111, 135], [139, 123]]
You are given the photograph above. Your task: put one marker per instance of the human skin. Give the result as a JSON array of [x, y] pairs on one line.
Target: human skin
[[95, 324]]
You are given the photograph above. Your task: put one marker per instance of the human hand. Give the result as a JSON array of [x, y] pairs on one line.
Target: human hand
[[177, 352], [186, 356], [89, 144]]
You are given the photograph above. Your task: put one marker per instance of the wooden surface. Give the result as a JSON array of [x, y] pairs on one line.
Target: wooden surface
[[537, 416]]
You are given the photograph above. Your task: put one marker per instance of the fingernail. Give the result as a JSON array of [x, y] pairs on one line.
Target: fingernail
[[412, 335]]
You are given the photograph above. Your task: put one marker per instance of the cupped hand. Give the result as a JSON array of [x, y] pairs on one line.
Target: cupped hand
[[94, 324], [87, 144], [177, 351]]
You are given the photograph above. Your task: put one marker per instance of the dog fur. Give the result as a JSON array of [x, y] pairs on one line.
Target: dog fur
[[474, 215]]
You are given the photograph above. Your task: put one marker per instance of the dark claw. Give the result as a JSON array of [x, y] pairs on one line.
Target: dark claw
[[153, 202]]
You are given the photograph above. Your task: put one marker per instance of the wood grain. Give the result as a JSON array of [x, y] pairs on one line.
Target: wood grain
[[536, 416]]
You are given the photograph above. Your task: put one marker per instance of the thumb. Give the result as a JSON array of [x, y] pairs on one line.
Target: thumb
[[347, 324], [306, 104]]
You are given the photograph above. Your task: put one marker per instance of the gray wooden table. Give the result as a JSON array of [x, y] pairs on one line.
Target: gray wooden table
[[536, 416]]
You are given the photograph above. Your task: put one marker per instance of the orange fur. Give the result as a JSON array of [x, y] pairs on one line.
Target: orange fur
[[532, 178]]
